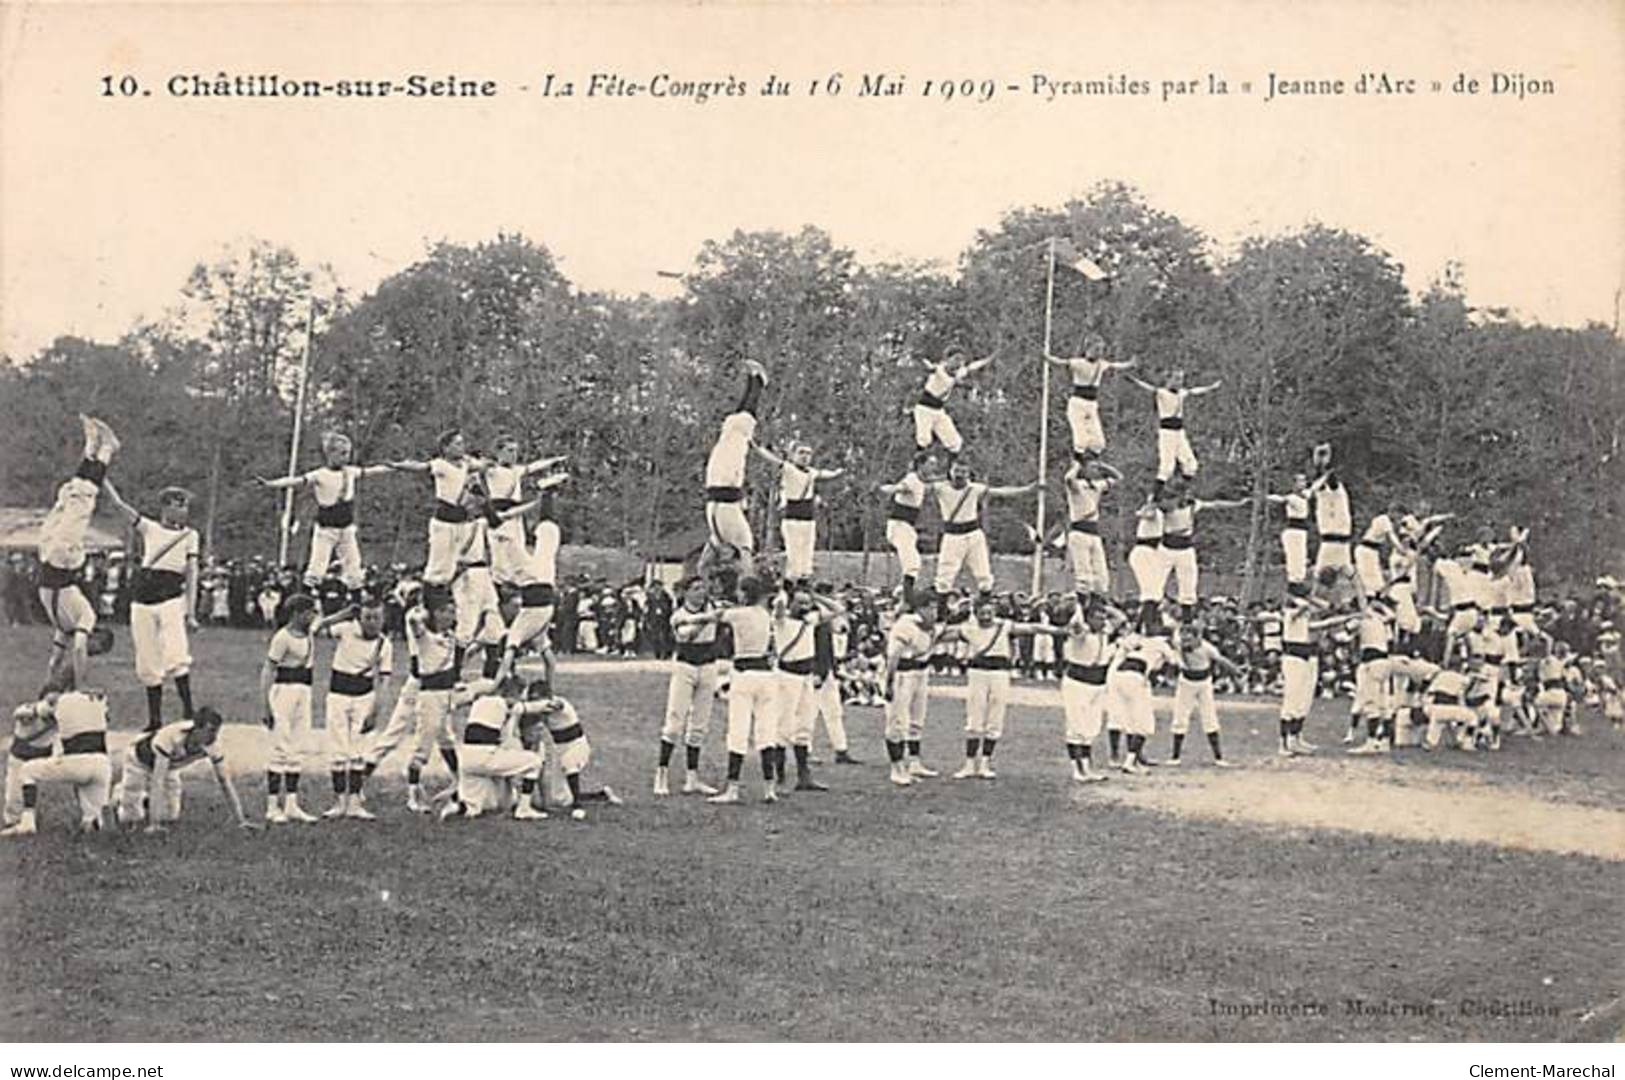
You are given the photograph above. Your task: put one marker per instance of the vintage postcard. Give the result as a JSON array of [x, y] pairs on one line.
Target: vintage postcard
[[842, 523]]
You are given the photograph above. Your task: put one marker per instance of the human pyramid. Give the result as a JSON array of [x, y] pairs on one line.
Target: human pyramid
[[477, 541], [1109, 656], [489, 593]]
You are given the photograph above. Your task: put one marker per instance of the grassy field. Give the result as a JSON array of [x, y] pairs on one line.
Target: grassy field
[[1151, 908]]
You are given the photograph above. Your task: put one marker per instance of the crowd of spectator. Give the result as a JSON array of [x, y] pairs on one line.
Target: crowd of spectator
[[598, 617]]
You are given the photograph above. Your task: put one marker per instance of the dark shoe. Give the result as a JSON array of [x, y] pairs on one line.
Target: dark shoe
[[807, 783], [844, 758]]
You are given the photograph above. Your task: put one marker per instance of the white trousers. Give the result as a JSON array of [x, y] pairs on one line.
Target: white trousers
[[530, 625], [987, 698], [932, 422], [1129, 704], [484, 771], [1182, 562], [1298, 678], [1333, 553], [328, 543], [689, 695], [158, 632], [1442, 716], [798, 547], [797, 709], [69, 610], [729, 525], [62, 533], [905, 712], [346, 715], [508, 555], [402, 718], [959, 550], [1295, 547], [446, 539], [90, 776], [1462, 621], [1368, 565], [136, 787], [906, 542], [1551, 705], [1194, 698], [422, 715], [1371, 688], [1083, 417], [14, 786], [573, 755], [1151, 569], [1174, 450], [1406, 617], [827, 701], [474, 594], [1088, 557], [290, 726], [434, 726], [753, 711], [1084, 705]]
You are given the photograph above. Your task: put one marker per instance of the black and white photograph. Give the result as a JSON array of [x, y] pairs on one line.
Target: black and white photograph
[[829, 523]]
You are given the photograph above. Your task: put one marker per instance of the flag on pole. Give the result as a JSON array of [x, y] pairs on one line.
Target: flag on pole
[[1068, 255]]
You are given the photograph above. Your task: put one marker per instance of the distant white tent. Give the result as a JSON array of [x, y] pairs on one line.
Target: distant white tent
[[20, 528]]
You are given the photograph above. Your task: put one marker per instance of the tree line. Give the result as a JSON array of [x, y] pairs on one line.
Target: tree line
[[1312, 332]]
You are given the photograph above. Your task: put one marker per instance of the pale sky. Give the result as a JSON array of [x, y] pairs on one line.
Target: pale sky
[[106, 203]]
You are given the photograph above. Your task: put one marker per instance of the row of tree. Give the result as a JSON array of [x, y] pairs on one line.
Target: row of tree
[[1313, 334]]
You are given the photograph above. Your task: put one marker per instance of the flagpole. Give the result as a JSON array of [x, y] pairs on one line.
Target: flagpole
[[298, 423], [1043, 424]]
